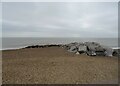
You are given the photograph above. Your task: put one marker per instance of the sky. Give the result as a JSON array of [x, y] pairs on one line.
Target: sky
[[60, 19]]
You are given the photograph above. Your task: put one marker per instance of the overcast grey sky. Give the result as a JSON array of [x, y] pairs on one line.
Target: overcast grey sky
[[60, 19]]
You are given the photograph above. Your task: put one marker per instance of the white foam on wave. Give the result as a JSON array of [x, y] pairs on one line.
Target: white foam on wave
[[12, 48], [115, 47]]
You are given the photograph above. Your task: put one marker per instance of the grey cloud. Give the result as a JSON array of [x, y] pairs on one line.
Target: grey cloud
[[52, 19]]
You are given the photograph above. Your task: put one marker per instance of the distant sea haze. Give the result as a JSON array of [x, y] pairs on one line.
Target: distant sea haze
[[20, 42]]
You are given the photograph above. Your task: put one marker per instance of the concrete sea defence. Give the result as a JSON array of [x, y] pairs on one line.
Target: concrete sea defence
[[88, 48]]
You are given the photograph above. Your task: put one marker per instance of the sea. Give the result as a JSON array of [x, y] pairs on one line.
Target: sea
[[21, 42]]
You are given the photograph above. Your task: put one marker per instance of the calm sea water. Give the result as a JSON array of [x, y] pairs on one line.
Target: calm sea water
[[15, 43]]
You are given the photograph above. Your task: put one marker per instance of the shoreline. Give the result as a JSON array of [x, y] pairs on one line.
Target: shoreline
[[44, 44], [22, 47], [78, 48]]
